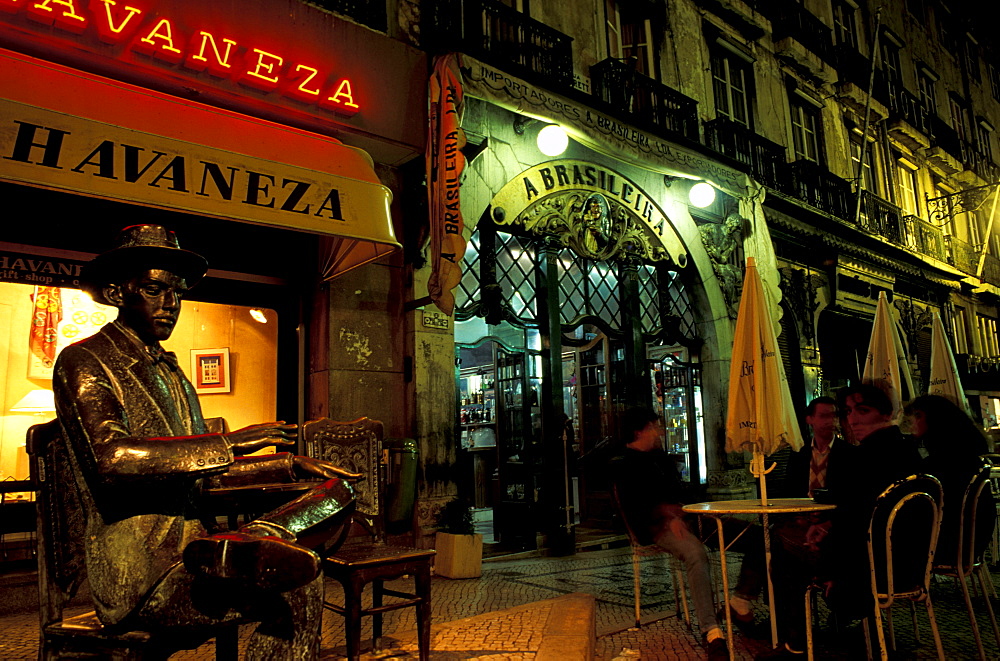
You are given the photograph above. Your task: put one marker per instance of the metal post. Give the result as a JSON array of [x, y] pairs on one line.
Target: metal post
[[864, 131]]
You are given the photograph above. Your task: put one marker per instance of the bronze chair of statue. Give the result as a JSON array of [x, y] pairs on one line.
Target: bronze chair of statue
[[61, 572], [968, 563], [357, 446]]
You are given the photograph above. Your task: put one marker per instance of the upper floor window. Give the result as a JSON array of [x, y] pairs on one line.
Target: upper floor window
[[956, 113], [890, 60], [916, 9], [805, 130], [984, 139], [946, 31], [958, 330], [845, 25], [926, 91], [988, 336], [995, 80], [907, 198], [731, 84], [868, 169], [630, 35], [971, 53]]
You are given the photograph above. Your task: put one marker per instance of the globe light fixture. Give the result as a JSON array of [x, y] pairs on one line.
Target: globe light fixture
[[552, 140], [701, 195]]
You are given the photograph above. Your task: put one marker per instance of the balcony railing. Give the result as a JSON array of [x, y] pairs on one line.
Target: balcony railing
[[370, 13], [962, 255], [816, 187], [991, 270], [881, 218], [763, 157], [852, 66], [924, 237], [642, 101], [501, 36], [791, 19]]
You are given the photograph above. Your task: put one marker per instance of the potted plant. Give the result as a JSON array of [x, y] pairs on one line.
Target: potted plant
[[459, 547]]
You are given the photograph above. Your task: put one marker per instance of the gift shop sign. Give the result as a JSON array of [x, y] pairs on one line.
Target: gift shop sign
[[196, 41]]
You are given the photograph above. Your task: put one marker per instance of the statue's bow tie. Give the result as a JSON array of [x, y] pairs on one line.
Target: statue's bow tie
[[158, 355]]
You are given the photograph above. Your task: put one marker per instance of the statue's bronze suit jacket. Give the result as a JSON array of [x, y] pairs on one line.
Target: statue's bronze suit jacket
[[136, 481]]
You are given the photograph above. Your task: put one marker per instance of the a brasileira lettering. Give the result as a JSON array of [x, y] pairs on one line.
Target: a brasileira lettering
[[157, 36], [142, 166]]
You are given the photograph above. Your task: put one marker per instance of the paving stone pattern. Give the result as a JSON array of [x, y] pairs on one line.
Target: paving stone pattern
[[497, 617]]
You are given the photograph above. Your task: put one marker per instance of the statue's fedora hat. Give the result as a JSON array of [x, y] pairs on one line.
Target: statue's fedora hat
[[137, 248]]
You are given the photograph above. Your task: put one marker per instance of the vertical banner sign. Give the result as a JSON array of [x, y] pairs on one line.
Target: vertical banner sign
[[44, 323], [445, 162]]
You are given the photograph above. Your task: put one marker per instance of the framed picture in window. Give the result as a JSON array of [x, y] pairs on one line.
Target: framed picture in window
[[210, 371]]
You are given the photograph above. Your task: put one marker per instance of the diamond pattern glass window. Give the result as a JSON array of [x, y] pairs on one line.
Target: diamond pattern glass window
[[588, 288], [678, 302], [516, 276], [468, 287]]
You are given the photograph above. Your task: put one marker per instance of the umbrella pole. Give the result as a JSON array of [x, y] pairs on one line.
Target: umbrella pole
[[757, 468]]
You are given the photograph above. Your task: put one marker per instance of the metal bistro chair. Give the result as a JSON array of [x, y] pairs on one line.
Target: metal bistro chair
[[61, 571], [969, 559], [909, 513], [640, 551], [356, 446]]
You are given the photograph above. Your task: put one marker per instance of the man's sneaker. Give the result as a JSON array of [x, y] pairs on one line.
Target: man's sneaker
[[262, 562], [717, 650]]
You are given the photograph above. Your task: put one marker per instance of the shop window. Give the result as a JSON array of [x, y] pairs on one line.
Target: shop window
[[468, 287], [731, 84], [588, 288], [516, 275], [987, 336], [845, 25], [805, 130]]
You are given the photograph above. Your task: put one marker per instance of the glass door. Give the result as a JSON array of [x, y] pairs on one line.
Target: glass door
[[677, 396]]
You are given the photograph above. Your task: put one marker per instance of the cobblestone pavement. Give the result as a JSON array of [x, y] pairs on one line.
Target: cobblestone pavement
[[502, 616]]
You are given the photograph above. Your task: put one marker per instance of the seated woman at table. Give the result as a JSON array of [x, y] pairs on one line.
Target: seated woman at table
[[836, 555], [954, 445]]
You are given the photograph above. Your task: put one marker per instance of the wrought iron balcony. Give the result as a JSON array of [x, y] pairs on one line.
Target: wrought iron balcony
[[763, 157], [962, 255], [499, 35], [852, 66], [991, 270], [642, 101], [924, 237], [819, 188], [881, 218], [370, 13], [790, 18]]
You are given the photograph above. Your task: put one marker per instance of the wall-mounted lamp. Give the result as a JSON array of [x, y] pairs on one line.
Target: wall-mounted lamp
[[37, 401], [701, 195], [258, 315], [552, 140]]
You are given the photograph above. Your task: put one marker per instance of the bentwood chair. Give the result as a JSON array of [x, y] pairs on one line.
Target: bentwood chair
[[61, 572], [902, 537], [640, 551], [357, 446], [968, 560]]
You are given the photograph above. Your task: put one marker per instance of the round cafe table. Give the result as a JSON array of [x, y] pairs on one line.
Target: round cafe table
[[718, 509]]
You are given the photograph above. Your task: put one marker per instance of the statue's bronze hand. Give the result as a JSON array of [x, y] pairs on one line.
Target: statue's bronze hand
[[310, 467], [253, 438]]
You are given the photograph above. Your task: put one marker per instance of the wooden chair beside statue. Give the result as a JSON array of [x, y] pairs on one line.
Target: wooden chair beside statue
[[367, 558]]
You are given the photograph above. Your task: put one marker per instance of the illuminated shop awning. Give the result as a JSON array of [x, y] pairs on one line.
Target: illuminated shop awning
[[68, 130]]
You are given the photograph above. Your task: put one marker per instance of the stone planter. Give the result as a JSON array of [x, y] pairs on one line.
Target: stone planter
[[458, 556]]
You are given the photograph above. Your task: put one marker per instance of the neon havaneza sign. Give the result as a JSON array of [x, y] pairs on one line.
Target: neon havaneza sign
[[132, 26]]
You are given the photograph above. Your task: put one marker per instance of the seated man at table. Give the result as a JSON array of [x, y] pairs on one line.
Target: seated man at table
[[650, 491], [835, 553], [139, 454]]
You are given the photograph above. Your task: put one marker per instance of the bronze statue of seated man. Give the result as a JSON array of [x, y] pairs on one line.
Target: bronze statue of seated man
[[140, 454]]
